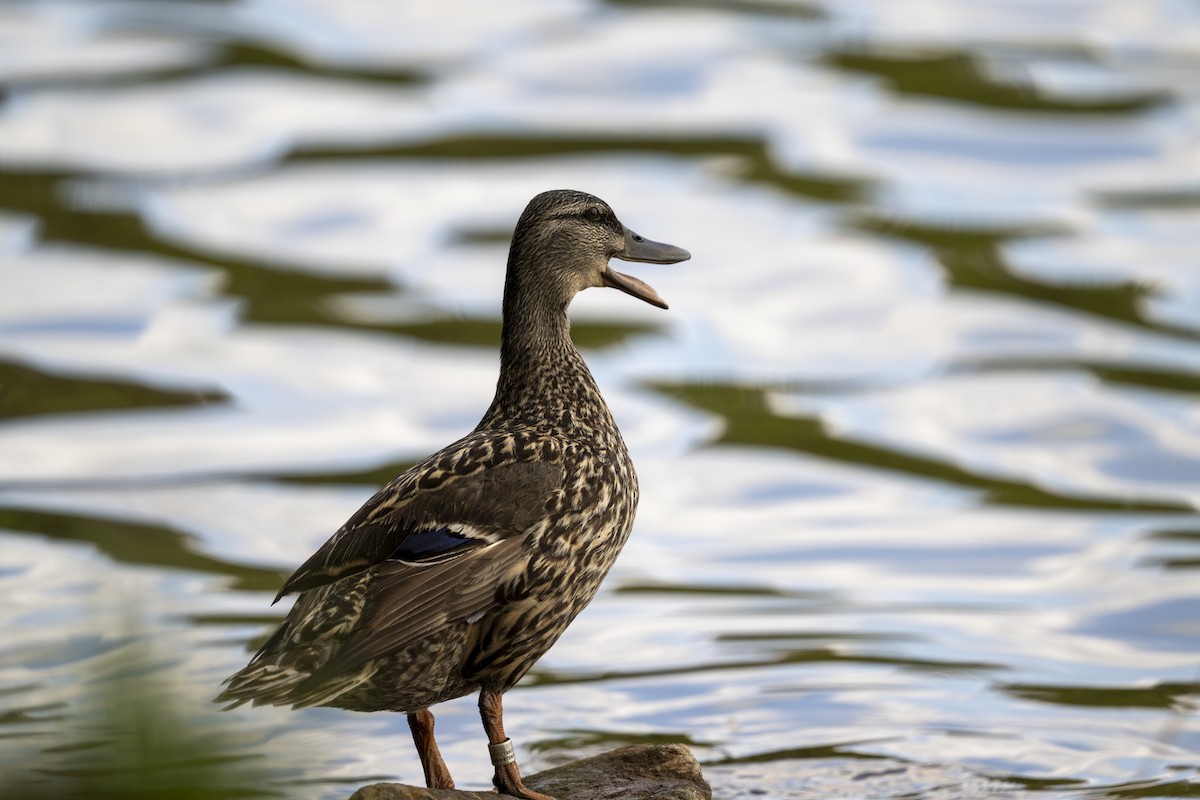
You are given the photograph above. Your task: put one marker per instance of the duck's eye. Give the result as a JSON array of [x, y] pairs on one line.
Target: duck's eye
[[592, 214]]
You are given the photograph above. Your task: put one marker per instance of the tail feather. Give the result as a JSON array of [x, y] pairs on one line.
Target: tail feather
[[265, 683], [282, 672], [259, 684]]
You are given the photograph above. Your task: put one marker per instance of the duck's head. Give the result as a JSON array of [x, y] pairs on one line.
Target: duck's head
[[563, 243]]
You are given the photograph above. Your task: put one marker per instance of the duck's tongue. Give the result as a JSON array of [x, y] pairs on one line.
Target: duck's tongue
[[638, 248]]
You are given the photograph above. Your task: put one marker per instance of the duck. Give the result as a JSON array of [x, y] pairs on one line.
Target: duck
[[459, 574]]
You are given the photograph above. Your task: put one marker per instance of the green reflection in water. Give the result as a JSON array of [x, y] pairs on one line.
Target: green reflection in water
[[1187, 537], [137, 543], [1151, 199], [824, 187], [534, 145], [1187, 787], [781, 9], [844, 750], [262, 54], [1160, 695], [762, 637], [1176, 563], [272, 292], [1177, 535], [220, 55], [964, 78], [810, 655], [972, 259], [27, 391], [28, 715], [372, 476], [575, 741], [1144, 376], [708, 589], [753, 159], [749, 421], [482, 236]]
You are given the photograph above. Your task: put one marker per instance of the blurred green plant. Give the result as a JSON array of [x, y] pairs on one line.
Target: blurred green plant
[[133, 733]]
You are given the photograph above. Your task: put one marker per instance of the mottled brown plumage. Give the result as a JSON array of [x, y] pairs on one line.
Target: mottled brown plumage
[[459, 574]]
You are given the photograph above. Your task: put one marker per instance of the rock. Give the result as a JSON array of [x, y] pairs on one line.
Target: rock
[[402, 791], [405, 792], [641, 772]]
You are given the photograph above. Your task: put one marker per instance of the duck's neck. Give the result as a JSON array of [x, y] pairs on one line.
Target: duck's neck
[[544, 382]]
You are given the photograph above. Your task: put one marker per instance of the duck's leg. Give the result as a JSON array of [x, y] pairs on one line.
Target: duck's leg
[[508, 777], [437, 775]]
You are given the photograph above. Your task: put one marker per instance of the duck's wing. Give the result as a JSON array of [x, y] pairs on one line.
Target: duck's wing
[[398, 603], [477, 492], [429, 550]]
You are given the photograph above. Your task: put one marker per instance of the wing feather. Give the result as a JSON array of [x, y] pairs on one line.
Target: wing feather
[[499, 499], [406, 602]]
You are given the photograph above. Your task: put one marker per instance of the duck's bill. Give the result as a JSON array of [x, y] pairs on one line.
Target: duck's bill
[[639, 248]]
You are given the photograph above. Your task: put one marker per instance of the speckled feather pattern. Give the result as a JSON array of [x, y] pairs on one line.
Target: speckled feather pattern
[[538, 500]]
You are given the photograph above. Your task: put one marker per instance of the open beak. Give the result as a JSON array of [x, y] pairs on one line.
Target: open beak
[[638, 248]]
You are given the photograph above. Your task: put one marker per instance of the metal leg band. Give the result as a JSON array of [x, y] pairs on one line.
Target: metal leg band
[[502, 754]]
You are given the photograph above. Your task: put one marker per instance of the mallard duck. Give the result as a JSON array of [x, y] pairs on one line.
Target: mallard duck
[[461, 573]]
